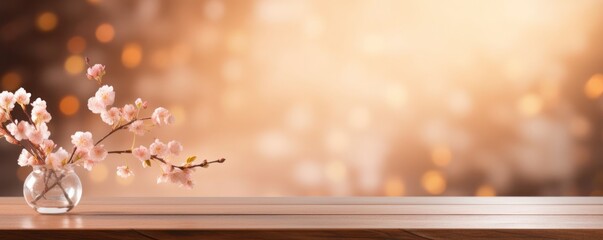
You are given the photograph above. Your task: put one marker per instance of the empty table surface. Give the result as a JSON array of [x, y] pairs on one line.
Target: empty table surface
[[321, 218]]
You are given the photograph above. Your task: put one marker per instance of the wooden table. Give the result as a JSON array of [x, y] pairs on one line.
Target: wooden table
[[311, 218]]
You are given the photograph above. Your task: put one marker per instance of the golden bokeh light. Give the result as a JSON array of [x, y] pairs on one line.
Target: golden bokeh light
[[373, 99], [394, 186], [105, 33], [76, 45], [594, 86], [74, 64], [433, 182], [47, 21], [441, 156], [131, 55], [11, 81], [485, 191], [99, 173], [529, 105], [69, 105]]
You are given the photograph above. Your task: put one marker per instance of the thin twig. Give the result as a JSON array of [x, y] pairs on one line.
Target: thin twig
[[28, 117], [48, 189], [205, 163], [72, 153], [58, 181], [20, 143], [119, 128]]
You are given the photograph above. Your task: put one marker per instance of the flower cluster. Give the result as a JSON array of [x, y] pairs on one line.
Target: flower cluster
[[33, 135]]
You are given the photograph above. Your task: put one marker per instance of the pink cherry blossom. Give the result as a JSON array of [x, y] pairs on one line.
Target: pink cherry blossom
[[141, 104], [129, 112], [137, 127], [176, 175], [11, 140], [162, 116], [96, 106], [98, 153], [112, 116], [35, 136], [22, 97], [7, 100], [47, 146], [84, 156], [19, 130], [39, 103], [43, 128], [39, 134], [105, 95], [96, 72], [183, 177], [39, 115], [4, 116], [25, 158], [56, 159], [88, 164], [82, 140], [124, 171], [167, 171], [159, 149], [142, 153], [175, 148]]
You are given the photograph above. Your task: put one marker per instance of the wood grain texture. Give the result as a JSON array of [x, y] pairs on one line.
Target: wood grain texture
[[358, 234], [311, 218]]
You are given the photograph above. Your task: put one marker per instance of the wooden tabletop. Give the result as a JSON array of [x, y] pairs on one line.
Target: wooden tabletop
[[312, 213]]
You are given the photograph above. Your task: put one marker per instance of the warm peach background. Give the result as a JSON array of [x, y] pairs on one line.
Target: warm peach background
[[337, 97]]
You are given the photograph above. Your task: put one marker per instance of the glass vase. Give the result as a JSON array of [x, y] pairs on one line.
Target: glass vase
[[52, 191]]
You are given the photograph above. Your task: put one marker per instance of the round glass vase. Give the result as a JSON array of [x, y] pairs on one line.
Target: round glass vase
[[52, 191]]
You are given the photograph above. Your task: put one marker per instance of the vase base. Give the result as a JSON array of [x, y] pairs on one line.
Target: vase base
[[52, 210]]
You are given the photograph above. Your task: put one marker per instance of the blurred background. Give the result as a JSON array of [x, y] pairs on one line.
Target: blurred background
[[326, 98]]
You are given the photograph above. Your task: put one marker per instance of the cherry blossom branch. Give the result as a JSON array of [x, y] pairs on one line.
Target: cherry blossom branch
[[47, 189], [107, 135], [119, 128], [30, 150], [205, 163], [27, 114], [72, 153]]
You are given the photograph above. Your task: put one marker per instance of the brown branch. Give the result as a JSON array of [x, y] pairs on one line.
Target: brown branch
[[205, 163], [28, 117], [20, 143], [119, 128], [58, 181], [48, 188], [72, 153]]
